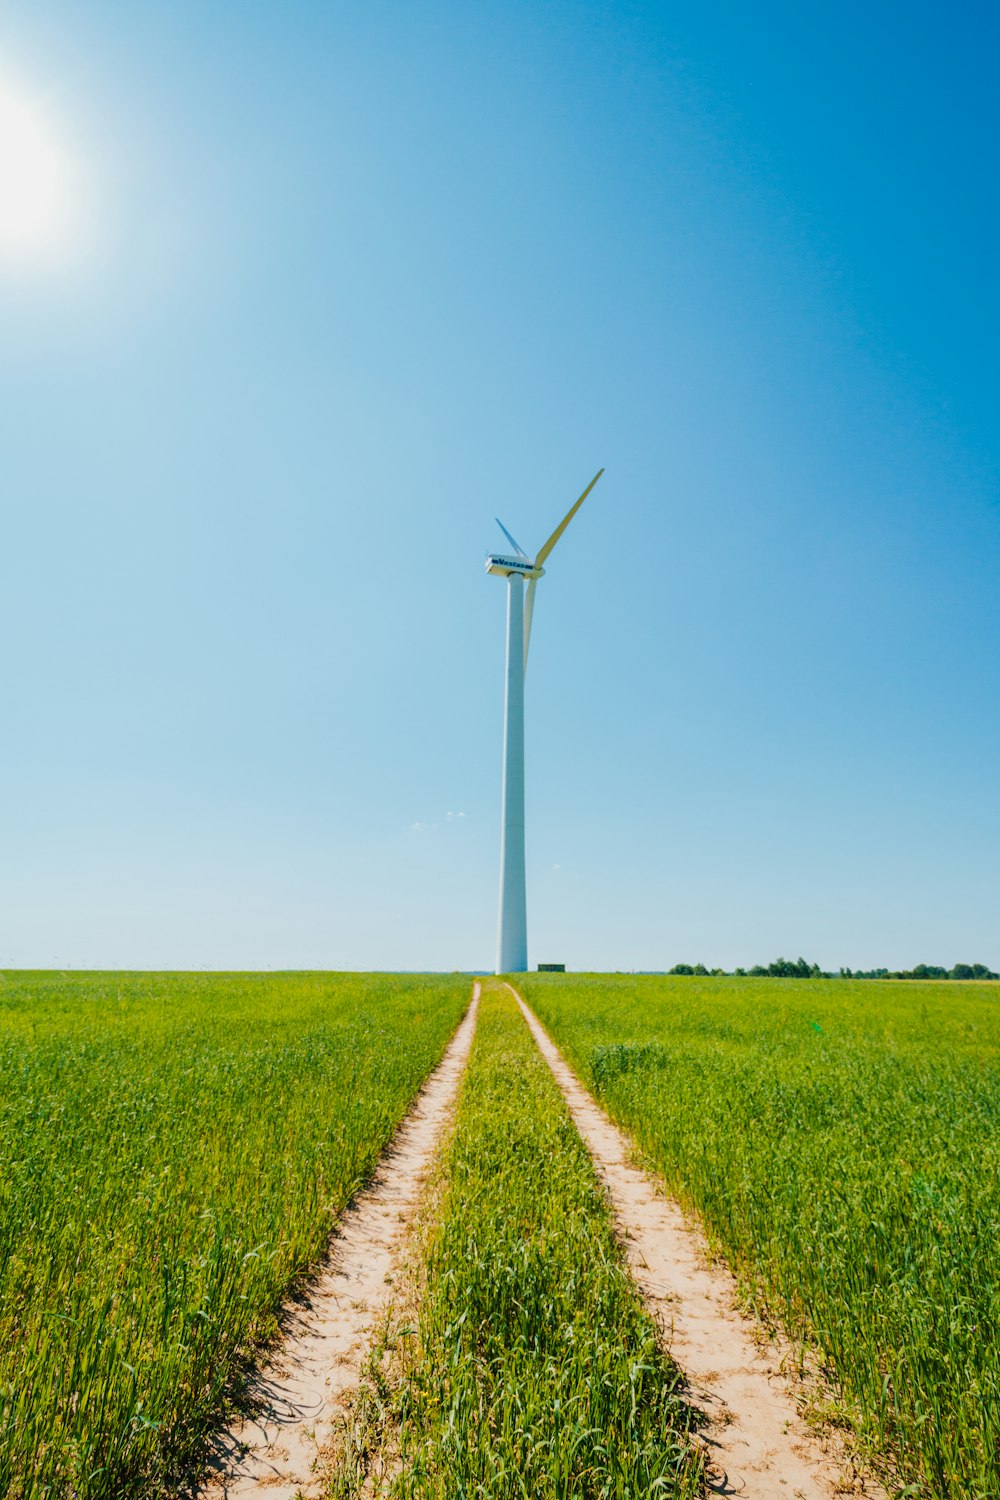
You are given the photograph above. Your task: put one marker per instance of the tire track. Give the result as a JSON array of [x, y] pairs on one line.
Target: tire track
[[757, 1444], [278, 1453]]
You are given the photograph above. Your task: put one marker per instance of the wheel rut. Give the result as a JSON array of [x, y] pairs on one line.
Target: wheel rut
[[757, 1444], [279, 1452]]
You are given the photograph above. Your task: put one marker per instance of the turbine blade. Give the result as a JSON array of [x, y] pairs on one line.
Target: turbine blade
[[529, 609], [547, 548], [519, 550]]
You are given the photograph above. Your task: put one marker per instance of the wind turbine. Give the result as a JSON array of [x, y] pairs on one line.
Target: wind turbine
[[512, 928]]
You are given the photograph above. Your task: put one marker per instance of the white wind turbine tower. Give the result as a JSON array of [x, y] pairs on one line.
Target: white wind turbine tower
[[512, 930]]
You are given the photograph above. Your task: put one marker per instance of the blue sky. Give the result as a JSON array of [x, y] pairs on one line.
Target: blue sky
[[343, 282]]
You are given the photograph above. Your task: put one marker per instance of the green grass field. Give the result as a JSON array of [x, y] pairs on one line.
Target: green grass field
[[533, 1370], [841, 1142], [173, 1150]]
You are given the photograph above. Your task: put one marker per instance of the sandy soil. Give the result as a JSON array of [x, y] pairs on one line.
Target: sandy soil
[[277, 1454], [757, 1445]]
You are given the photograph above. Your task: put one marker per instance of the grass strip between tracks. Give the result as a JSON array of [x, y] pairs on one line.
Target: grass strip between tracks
[[533, 1369]]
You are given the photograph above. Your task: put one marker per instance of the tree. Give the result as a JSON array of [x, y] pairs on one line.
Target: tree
[[786, 968]]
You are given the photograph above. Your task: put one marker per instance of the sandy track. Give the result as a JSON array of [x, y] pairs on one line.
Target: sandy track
[[757, 1445], [278, 1453]]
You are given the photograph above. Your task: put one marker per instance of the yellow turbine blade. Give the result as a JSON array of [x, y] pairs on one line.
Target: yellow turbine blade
[[547, 548], [529, 610]]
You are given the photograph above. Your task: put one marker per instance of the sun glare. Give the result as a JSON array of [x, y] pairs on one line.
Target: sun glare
[[35, 181]]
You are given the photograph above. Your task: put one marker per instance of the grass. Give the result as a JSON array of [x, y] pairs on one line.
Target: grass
[[841, 1141], [533, 1370], [173, 1151]]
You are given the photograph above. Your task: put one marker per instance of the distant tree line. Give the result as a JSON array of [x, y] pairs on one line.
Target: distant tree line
[[787, 968], [923, 971]]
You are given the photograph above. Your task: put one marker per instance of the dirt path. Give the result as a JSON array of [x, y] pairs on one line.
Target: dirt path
[[277, 1454], [757, 1445]]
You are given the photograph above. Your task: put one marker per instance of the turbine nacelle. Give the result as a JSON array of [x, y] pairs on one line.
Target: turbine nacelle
[[505, 566]]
